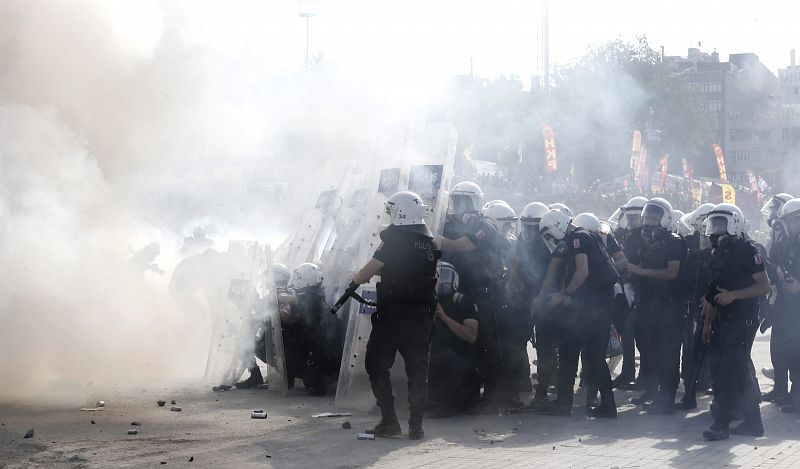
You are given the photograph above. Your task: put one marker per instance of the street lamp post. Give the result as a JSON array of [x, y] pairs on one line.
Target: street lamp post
[[307, 11]]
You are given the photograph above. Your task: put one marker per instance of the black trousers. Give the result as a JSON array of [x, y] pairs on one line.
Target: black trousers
[[588, 330], [546, 331], [453, 379], [736, 383], [659, 331], [499, 361], [781, 342], [693, 350], [628, 333], [407, 330]]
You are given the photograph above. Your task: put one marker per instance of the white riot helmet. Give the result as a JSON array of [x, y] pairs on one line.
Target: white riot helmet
[[587, 221], [529, 219], [563, 208], [676, 226], [725, 219], [631, 213], [502, 216], [686, 224], [281, 274], [532, 213], [306, 275], [495, 202], [772, 209], [553, 226], [406, 208], [699, 216], [790, 216], [466, 197], [657, 212]]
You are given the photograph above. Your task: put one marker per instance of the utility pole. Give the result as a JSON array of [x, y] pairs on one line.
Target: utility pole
[[545, 45], [307, 12]]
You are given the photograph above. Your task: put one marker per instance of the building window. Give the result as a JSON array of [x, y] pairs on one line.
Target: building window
[[713, 106], [785, 134], [733, 135]]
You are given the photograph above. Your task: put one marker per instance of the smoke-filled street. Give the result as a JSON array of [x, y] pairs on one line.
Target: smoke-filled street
[[217, 431], [370, 233]]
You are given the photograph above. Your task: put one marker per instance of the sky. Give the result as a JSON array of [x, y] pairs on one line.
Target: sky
[[411, 46]]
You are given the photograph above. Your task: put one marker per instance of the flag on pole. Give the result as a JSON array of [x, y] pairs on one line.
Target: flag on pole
[[752, 178], [636, 149], [550, 158], [663, 165], [720, 162], [728, 194]]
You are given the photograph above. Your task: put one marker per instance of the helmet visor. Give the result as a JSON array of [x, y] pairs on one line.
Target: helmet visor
[[716, 225], [792, 223], [632, 219], [460, 203], [550, 241], [652, 215], [770, 209], [447, 283]]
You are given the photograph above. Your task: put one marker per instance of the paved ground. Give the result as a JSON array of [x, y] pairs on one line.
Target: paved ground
[[215, 430]]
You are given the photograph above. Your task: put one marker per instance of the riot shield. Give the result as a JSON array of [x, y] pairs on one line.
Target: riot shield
[[234, 312], [273, 334], [426, 169]]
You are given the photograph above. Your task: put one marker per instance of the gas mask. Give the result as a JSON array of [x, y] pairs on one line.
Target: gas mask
[[447, 284]]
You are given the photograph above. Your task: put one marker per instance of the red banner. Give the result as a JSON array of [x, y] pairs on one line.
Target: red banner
[[640, 174], [720, 162], [550, 158]]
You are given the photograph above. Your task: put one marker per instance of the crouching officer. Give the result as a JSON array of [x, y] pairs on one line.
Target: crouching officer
[[406, 261], [738, 279]]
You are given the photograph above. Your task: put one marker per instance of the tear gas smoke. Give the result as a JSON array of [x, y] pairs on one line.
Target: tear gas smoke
[[105, 150]]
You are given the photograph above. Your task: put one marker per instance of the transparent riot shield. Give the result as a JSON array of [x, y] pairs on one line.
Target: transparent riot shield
[[234, 311], [426, 169], [273, 334]]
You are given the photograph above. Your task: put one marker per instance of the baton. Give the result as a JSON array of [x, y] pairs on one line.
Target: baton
[[350, 293]]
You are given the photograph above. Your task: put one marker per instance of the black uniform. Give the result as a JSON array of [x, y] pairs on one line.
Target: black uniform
[[733, 264], [404, 317], [787, 326], [453, 371], [659, 317], [781, 314], [631, 243], [312, 342], [698, 272], [481, 272], [531, 263], [586, 322]]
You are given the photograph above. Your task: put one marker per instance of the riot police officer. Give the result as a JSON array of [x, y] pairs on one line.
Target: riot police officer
[[475, 248], [778, 311], [738, 280], [585, 300], [406, 261], [527, 277], [628, 233], [787, 329], [453, 371], [659, 316], [694, 363]]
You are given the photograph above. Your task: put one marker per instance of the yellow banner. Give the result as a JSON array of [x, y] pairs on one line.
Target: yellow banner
[[728, 194]]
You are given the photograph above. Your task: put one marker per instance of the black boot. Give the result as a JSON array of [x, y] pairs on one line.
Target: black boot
[[252, 381], [415, 431], [746, 428], [718, 431], [388, 426], [687, 403], [605, 410]]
